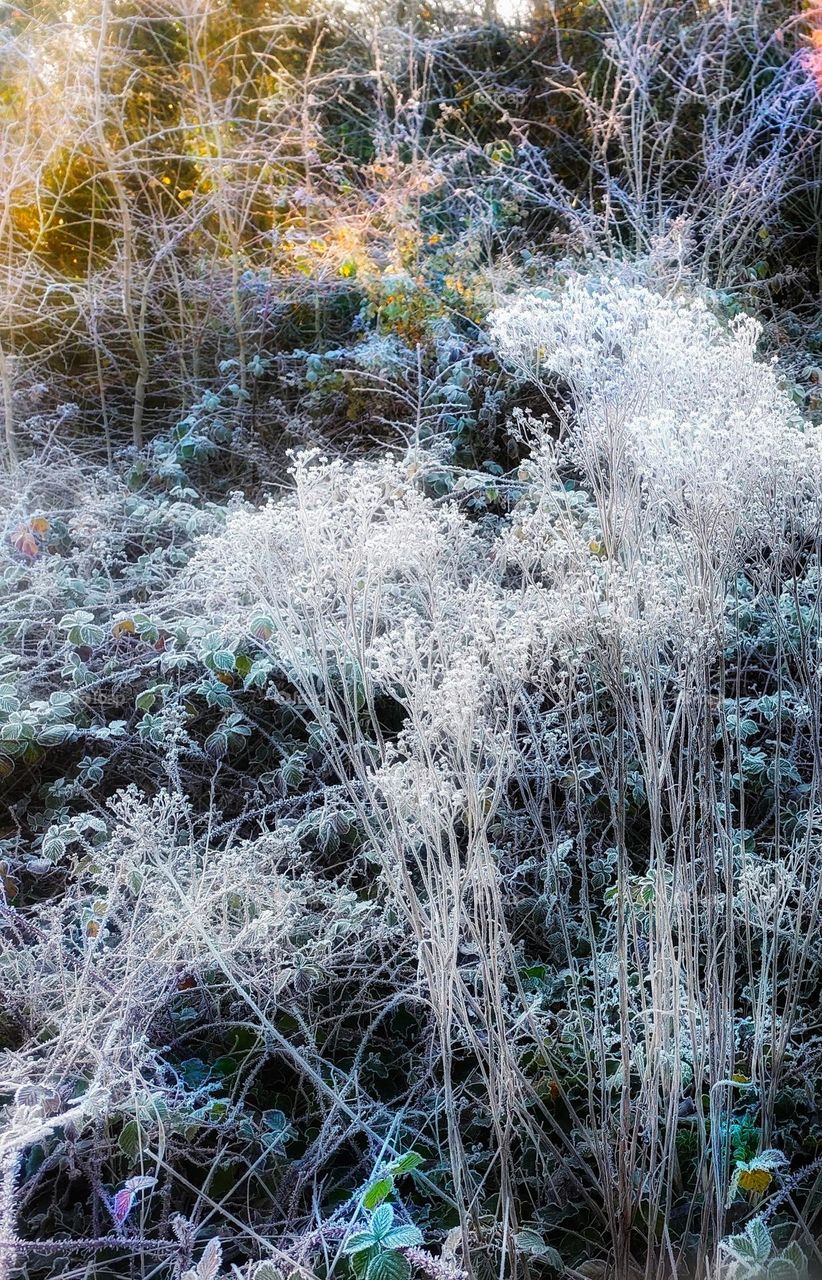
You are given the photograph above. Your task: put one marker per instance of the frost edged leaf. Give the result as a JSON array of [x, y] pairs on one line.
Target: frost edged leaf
[[388, 1266], [404, 1237], [377, 1192]]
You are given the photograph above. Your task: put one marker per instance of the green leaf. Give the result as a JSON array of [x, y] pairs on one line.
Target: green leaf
[[782, 1268], [258, 673], [531, 1242], [266, 1271], [401, 1238], [794, 1255], [17, 731], [81, 628], [147, 629], [760, 1239], [216, 744], [8, 701], [405, 1163], [51, 734], [54, 846], [276, 1127], [378, 1191], [358, 1242], [382, 1220], [388, 1266], [130, 1141], [261, 626], [292, 770], [360, 1261]]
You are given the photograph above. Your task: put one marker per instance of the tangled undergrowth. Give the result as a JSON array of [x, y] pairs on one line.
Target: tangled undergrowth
[[420, 870], [410, 623]]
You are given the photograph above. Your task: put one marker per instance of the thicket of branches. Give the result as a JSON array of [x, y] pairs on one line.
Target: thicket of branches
[[187, 184], [410, 642]]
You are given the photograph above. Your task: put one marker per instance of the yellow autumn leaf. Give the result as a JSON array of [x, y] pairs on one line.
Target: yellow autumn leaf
[[756, 1181]]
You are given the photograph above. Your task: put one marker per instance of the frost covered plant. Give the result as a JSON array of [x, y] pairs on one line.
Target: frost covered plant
[[456, 675], [376, 595], [376, 1248], [157, 909], [683, 450], [755, 1175], [752, 1255], [677, 425], [680, 461], [539, 789]]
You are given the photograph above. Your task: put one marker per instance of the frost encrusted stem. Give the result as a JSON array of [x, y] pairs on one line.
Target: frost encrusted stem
[[10, 1163]]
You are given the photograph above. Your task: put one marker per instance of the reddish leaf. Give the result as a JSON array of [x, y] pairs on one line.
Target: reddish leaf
[[121, 1206], [24, 541]]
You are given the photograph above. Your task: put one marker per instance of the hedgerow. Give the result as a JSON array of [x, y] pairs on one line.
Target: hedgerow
[[410, 643]]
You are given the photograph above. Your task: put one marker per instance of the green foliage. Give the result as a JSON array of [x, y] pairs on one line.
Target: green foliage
[[755, 1257], [375, 1252]]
